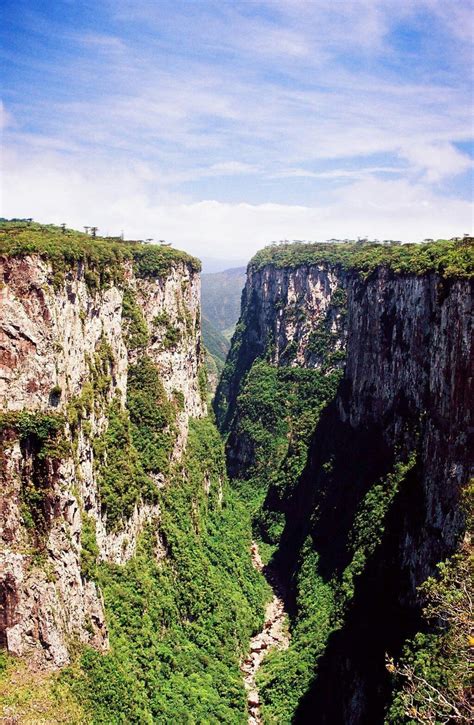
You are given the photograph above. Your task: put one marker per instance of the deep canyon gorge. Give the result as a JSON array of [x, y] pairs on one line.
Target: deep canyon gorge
[[294, 550]]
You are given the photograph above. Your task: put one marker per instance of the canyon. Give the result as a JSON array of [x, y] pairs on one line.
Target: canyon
[[137, 538]]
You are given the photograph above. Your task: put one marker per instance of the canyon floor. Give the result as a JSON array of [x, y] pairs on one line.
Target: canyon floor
[[274, 634]]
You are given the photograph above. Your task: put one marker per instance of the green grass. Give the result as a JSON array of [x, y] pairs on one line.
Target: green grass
[[447, 258]]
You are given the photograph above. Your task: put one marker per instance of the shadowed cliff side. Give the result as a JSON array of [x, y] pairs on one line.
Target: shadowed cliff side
[[377, 504]]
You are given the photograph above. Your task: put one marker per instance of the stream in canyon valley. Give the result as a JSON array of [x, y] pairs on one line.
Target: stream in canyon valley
[[274, 634]]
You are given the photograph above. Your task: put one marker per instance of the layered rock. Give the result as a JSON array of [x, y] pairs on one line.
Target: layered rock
[[59, 339]]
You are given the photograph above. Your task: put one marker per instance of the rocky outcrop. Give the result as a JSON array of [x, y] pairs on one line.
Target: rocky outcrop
[[293, 317], [406, 391], [59, 339], [404, 342], [273, 635]]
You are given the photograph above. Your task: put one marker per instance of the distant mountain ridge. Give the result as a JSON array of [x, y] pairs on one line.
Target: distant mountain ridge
[[220, 294], [212, 265], [220, 302]]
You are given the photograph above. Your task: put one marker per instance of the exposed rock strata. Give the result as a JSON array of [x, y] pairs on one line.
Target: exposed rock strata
[[49, 334], [407, 388]]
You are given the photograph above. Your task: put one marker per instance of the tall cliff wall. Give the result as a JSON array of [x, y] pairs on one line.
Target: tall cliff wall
[[290, 317], [68, 347], [374, 502], [404, 401]]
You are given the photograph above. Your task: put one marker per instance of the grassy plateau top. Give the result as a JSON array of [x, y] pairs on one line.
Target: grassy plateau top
[[67, 246], [449, 258]]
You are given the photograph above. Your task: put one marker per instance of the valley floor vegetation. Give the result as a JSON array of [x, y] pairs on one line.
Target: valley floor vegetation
[[180, 613]]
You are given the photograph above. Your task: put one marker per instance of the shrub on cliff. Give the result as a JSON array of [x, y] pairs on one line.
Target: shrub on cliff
[[448, 258]]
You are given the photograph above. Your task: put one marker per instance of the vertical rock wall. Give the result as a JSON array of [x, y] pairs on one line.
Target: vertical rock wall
[[407, 390], [282, 312], [405, 342], [50, 336]]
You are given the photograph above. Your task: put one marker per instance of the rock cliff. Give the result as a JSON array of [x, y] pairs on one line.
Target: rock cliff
[[70, 344], [374, 503], [292, 317]]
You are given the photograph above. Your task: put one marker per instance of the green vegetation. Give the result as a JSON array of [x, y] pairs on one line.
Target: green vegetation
[[152, 415], [368, 527], [31, 697], [286, 675], [215, 342], [447, 258], [90, 549], [220, 297], [123, 481], [231, 367], [171, 335], [40, 430], [220, 300], [277, 411], [178, 625], [433, 679], [151, 260], [80, 406], [135, 328], [100, 368], [202, 382], [95, 391], [321, 605], [102, 257], [42, 435]]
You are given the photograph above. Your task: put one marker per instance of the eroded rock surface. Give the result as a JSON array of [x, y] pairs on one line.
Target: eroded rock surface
[[50, 334]]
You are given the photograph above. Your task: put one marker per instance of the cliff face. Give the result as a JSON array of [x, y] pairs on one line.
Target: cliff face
[[405, 392], [377, 505], [68, 349], [292, 317]]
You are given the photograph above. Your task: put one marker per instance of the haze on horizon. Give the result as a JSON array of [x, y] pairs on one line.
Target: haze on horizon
[[221, 125]]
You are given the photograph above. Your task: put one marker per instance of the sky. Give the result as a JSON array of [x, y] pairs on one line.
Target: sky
[[223, 125]]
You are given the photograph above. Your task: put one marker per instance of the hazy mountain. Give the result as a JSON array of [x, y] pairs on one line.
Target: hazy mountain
[[210, 265], [220, 295]]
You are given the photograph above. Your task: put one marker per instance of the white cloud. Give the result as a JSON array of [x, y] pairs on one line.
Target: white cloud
[[362, 172], [208, 90], [436, 160], [100, 41], [48, 189], [232, 167], [6, 118]]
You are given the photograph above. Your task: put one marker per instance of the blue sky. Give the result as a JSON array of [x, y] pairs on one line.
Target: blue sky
[[224, 125]]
